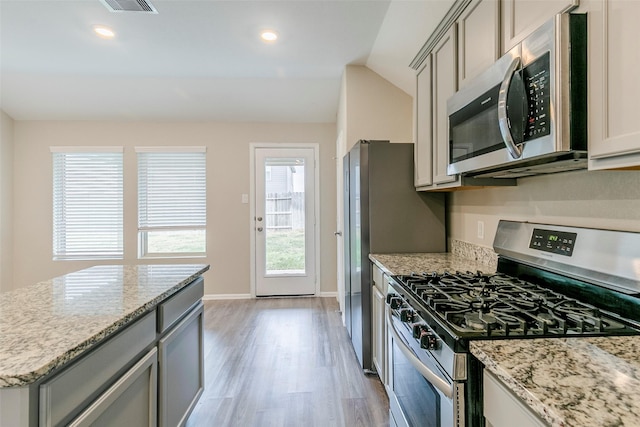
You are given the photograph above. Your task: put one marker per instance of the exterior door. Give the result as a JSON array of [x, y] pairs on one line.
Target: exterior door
[[284, 222]]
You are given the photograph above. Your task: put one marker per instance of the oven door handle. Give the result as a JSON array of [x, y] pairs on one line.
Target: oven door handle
[[503, 118], [443, 386]]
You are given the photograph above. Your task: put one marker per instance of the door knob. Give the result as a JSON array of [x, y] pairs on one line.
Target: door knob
[[337, 233], [259, 228], [259, 218]]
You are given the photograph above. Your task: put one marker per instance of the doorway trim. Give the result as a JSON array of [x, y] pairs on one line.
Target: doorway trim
[[252, 206]]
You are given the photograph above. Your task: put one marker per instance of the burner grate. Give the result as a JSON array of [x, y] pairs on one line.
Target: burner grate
[[501, 305]]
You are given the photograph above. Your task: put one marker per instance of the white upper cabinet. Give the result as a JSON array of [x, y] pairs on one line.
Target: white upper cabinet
[[478, 38], [445, 84], [614, 87], [521, 17]]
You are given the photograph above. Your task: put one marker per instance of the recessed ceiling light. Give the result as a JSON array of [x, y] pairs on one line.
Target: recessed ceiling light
[[269, 36], [104, 32]]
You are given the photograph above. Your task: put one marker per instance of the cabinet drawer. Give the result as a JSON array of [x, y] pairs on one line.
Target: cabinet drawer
[[502, 408], [131, 401], [72, 389], [378, 278], [175, 307]]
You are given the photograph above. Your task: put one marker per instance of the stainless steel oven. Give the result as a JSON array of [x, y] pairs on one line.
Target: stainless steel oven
[[526, 114], [422, 390]]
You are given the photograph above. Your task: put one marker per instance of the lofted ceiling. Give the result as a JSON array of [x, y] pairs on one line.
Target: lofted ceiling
[[202, 59]]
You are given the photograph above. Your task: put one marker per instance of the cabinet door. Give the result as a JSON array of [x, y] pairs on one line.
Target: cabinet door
[[423, 156], [131, 401], [614, 87], [521, 17], [181, 370], [444, 85], [502, 408], [378, 330], [478, 38]]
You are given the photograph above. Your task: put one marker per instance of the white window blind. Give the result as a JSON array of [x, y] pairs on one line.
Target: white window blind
[[172, 204], [87, 204]]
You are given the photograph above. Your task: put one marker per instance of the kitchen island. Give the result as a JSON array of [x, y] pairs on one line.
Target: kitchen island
[[98, 326]]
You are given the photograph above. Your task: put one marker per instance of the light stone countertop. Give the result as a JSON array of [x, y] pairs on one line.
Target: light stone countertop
[[44, 326], [393, 264], [586, 382], [570, 381]]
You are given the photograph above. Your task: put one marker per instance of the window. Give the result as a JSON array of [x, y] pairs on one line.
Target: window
[[171, 201], [87, 203]]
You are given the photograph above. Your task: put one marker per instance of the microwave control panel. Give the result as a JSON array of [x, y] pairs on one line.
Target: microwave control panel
[[557, 242], [536, 81]]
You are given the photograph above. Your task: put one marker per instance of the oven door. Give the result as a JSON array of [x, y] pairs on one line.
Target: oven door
[[420, 393]]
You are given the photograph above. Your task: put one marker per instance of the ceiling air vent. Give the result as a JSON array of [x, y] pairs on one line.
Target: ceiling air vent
[[129, 6]]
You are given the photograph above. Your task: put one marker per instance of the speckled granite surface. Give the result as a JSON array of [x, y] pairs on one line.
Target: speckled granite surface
[[427, 262], [477, 253], [570, 381], [44, 326]]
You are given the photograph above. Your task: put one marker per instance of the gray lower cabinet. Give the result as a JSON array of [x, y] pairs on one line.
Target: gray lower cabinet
[[149, 374], [181, 370], [131, 401], [64, 395]]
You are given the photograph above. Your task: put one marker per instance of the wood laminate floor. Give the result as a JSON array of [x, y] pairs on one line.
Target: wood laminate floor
[[284, 362]]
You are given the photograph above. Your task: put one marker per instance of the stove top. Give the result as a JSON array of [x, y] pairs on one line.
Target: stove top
[[475, 305]]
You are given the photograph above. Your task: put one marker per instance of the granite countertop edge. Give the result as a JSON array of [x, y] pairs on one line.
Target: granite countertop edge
[[406, 263], [528, 398], [21, 379]]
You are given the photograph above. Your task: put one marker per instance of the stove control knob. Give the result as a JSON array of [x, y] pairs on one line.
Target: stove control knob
[[418, 329], [396, 303], [407, 315], [428, 341]]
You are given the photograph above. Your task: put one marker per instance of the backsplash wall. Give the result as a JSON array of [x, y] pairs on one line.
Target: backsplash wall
[[596, 199]]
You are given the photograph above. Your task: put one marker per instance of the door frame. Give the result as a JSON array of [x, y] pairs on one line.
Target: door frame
[[252, 206]]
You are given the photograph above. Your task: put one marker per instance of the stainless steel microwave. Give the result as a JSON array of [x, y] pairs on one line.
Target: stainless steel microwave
[[526, 114]]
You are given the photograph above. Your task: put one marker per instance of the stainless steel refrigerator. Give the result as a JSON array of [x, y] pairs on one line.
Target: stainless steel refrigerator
[[383, 214]]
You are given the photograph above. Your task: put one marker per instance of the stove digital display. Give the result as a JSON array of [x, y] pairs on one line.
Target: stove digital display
[[557, 242]]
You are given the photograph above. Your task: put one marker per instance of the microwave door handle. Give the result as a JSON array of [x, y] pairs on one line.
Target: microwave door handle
[[503, 119], [443, 386]]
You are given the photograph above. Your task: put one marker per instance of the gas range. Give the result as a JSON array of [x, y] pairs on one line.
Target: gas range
[[551, 281], [484, 306]]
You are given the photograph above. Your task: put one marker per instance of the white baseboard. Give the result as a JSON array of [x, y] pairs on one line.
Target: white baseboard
[[211, 297], [329, 294]]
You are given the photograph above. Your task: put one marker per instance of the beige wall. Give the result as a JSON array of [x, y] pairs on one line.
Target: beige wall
[[598, 199], [373, 108], [6, 201], [228, 238]]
